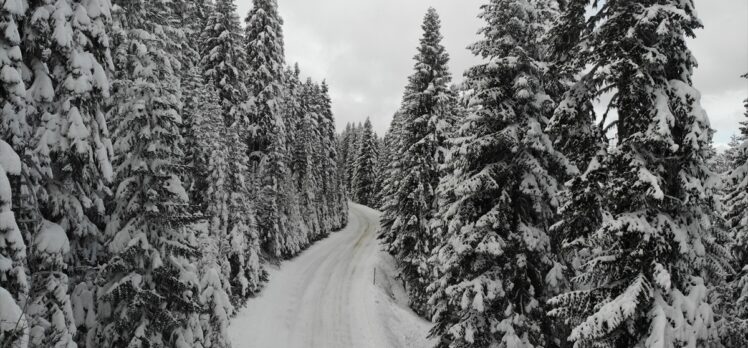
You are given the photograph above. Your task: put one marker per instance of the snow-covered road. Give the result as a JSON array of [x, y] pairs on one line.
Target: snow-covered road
[[326, 297]]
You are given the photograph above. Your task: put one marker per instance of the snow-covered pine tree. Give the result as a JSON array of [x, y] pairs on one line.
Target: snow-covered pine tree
[[149, 288], [302, 138], [345, 152], [212, 192], [50, 312], [14, 135], [224, 64], [224, 60], [14, 129], [722, 162], [350, 165], [424, 120], [247, 275], [14, 329], [265, 58], [196, 105], [66, 52], [332, 184], [500, 198], [652, 237], [736, 206], [363, 180], [390, 172], [222, 164], [195, 21], [278, 210]]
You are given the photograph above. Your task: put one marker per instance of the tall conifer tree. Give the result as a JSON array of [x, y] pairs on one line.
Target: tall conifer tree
[[736, 202], [267, 138], [224, 62], [149, 288], [364, 180], [14, 328], [424, 120], [651, 236], [14, 137], [66, 52], [500, 198]]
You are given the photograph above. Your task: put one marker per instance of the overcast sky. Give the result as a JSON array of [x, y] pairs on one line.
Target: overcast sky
[[364, 48]]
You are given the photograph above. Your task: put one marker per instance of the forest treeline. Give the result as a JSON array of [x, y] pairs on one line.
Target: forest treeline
[[154, 156], [520, 217]]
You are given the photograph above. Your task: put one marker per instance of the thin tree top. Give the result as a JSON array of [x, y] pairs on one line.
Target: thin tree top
[[264, 41]]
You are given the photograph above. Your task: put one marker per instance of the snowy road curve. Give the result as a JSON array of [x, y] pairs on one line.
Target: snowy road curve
[[326, 297]]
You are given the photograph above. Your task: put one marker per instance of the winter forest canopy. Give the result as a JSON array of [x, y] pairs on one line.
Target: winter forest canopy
[[158, 157]]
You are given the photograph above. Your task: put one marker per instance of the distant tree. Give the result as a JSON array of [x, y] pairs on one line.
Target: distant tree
[[332, 182], [363, 173]]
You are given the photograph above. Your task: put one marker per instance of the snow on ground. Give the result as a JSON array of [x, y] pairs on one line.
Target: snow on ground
[[326, 297]]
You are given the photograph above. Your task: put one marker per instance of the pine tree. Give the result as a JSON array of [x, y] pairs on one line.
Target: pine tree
[[345, 152], [651, 239], [332, 185], [211, 175], [14, 135], [424, 120], [66, 51], [501, 196], [265, 56], [390, 172], [733, 153], [224, 61], [278, 211], [149, 287], [50, 311], [350, 165], [13, 124], [14, 329], [363, 180], [736, 202], [195, 21]]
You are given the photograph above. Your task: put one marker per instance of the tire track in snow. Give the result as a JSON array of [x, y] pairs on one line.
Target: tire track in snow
[[325, 298]]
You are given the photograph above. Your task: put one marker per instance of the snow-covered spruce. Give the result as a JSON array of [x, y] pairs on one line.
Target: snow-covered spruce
[[363, 181], [66, 50], [14, 133], [389, 163], [500, 197], [277, 210], [303, 135], [735, 330], [14, 328], [332, 184], [49, 310], [223, 60], [425, 120], [347, 149], [216, 170], [226, 200], [149, 288], [652, 249]]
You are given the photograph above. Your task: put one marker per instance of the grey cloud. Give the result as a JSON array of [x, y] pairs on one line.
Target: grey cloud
[[364, 48]]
